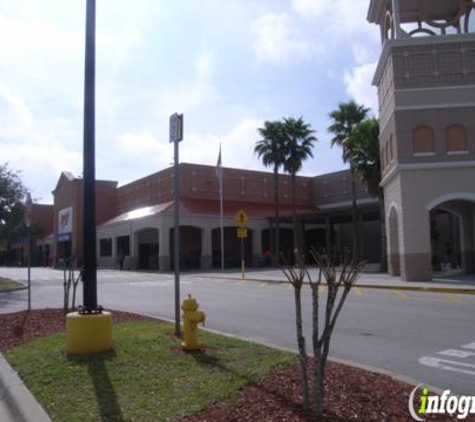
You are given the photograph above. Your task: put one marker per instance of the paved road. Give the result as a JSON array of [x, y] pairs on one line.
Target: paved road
[[425, 336]]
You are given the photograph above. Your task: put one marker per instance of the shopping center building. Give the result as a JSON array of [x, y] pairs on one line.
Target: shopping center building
[[135, 221]]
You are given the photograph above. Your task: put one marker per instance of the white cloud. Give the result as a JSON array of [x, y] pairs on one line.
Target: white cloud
[[310, 8], [277, 40], [363, 53], [15, 115], [358, 85], [42, 158], [115, 45], [340, 16], [37, 147], [144, 145], [200, 148], [38, 46], [238, 145], [200, 90]]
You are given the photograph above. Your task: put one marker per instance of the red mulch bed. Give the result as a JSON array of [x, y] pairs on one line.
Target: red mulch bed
[[21, 327], [351, 394]]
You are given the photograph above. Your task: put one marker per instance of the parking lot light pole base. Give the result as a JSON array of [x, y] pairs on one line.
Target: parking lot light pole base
[[88, 334]]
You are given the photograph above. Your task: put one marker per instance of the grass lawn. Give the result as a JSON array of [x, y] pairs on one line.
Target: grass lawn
[[7, 284], [146, 378]]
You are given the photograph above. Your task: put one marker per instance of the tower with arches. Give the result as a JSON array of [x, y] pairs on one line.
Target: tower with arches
[[426, 87]]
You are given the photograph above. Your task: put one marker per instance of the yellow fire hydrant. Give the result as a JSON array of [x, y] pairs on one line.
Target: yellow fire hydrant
[[192, 316]]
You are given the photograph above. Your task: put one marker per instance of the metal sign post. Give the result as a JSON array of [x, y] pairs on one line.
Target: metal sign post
[[242, 220], [176, 135], [28, 210]]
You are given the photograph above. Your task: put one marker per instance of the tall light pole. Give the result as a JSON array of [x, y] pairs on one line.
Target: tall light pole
[[89, 188], [89, 331]]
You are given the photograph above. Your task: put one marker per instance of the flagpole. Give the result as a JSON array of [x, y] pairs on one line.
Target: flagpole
[[221, 207]]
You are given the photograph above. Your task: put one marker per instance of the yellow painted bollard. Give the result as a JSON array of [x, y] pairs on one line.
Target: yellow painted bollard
[[192, 316], [88, 334]]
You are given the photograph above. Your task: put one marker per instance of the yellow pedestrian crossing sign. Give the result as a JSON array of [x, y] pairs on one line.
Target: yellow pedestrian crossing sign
[[241, 218], [242, 232]]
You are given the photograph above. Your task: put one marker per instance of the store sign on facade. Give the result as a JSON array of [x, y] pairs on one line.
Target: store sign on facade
[[65, 224]]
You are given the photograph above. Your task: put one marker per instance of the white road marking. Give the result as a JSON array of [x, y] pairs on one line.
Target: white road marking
[[462, 354], [469, 346], [449, 365], [154, 283]]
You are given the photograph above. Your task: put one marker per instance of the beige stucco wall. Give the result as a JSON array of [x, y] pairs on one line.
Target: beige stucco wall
[[413, 191]]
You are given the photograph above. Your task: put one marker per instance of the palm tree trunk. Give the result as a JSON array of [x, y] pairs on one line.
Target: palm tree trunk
[[276, 227], [356, 249], [297, 251]]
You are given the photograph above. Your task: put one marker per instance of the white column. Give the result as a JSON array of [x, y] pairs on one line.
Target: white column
[[397, 18], [256, 244], [133, 258], [206, 252]]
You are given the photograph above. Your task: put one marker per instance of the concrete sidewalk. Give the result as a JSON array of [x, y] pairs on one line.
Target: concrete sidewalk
[[449, 282]]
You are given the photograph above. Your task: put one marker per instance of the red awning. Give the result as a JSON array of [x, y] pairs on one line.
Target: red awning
[[206, 207]]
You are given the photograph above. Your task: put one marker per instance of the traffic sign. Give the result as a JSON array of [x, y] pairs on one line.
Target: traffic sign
[[242, 232], [176, 127], [241, 218]]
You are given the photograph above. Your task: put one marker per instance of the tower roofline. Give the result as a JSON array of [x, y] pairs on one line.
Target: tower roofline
[[406, 42]]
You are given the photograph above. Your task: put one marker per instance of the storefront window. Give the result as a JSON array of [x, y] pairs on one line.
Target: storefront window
[[123, 245], [106, 247]]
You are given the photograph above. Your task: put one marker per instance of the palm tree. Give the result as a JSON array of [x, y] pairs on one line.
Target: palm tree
[[366, 159], [271, 149], [299, 142], [345, 121]]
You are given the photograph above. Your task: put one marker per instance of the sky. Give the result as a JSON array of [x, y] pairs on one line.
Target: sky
[[227, 65]]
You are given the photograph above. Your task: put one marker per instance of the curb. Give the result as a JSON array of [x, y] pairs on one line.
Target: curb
[[420, 289], [17, 398], [393, 375], [15, 289], [468, 291]]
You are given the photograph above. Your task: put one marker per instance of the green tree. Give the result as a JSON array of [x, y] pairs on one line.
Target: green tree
[[299, 142], [365, 156], [271, 149], [12, 192], [345, 120]]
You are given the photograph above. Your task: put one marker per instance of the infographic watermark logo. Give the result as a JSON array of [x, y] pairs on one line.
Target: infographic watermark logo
[[422, 404]]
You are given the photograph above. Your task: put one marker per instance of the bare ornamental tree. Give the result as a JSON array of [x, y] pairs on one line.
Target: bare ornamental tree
[[339, 281]]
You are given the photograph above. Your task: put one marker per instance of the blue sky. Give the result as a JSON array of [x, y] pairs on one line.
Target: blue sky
[[227, 65]]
